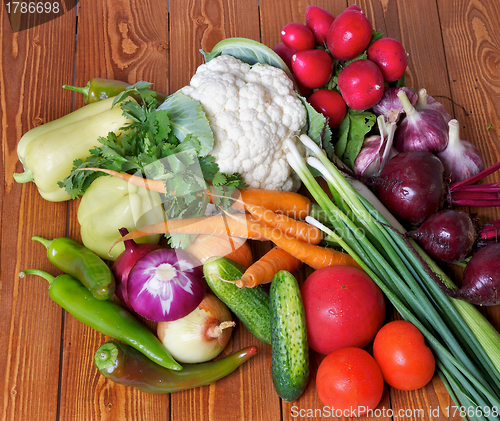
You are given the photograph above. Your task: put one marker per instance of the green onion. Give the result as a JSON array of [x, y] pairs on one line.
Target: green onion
[[465, 344]]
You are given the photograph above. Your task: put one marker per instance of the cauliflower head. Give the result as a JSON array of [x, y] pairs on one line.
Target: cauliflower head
[[251, 110]]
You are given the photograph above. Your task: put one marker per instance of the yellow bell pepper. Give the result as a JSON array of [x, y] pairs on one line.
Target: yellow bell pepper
[[110, 204], [47, 152]]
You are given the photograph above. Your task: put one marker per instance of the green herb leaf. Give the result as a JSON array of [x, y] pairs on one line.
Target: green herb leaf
[[318, 129]]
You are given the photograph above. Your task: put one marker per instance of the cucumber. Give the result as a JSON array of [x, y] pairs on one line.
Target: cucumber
[[290, 349], [249, 305]]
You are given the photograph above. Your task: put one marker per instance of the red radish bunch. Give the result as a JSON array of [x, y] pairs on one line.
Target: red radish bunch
[[327, 48]]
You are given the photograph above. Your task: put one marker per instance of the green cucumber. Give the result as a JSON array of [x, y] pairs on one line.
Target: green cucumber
[[290, 349], [249, 305]]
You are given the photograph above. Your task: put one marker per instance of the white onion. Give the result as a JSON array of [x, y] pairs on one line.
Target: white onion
[[201, 335]]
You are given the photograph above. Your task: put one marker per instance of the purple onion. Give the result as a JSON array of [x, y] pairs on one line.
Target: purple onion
[[461, 159], [124, 263], [423, 130], [425, 102], [390, 105], [165, 285]]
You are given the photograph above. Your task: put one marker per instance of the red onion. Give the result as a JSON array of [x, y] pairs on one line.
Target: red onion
[[425, 102], [390, 105], [124, 263], [461, 159], [423, 130], [165, 285]]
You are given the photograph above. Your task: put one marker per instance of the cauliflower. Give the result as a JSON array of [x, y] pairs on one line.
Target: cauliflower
[[252, 110]]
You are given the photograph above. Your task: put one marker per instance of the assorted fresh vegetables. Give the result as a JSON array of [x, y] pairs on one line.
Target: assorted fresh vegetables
[[163, 155]]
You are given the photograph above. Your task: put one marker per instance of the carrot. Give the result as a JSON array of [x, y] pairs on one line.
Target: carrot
[[311, 254], [213, 225], [264, 269], [291, 204]]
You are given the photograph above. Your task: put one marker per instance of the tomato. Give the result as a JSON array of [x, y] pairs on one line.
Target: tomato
[[330, 104], [406, 361], [350, 381], [343, 307]]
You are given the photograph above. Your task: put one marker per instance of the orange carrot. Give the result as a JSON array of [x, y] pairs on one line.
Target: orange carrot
[[311, 254], [295, 228], [264, 269], [213, 225], [291, 204]]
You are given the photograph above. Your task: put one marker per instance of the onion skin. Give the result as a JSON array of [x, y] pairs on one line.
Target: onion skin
[[411, 186], [201, 335], [166, 285], [481, 280], [448, 236]]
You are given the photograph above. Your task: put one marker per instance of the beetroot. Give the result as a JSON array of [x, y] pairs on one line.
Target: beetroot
[[481, 281], [361, 84], [448, 236], [411, 186]]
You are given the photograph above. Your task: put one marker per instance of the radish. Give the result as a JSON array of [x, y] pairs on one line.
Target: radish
[[448, 235], [349, 35], [318, 20], [361, 84], [297, 36], [330, 104], [481, 280], [313, 68], [390, 56], [286, 53]]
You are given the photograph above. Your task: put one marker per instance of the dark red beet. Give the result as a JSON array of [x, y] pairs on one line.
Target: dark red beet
[[125, 262], [411, 186], [448, 236], [481, 281]]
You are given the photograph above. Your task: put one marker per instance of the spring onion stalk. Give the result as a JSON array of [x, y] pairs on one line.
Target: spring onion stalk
[[467, 347]]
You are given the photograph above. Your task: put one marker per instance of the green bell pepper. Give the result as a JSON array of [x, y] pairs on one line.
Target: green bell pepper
[[47, 152], [110, 204]]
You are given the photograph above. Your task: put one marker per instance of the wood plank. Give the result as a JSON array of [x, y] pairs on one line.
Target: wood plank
[[471, 40], [113, 42], [29, 96], [248, 393]]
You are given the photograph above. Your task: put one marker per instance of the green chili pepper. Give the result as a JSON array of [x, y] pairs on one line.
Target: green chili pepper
[[81, 263], [98, 89], [105, 316], [124, 365]]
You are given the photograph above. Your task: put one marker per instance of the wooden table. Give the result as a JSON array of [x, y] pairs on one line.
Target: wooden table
[[46, 369]]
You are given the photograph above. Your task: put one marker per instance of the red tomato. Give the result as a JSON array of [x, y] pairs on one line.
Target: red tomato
[[343, 307], [330, 104], [405, 360], [350, 381]]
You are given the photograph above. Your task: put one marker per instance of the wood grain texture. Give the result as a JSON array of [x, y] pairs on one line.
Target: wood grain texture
[[48, 371]]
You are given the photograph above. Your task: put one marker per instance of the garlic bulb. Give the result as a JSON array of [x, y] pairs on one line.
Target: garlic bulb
[[390, 105], [461, 159], [424, 130], [376, 150], [425, 102]]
